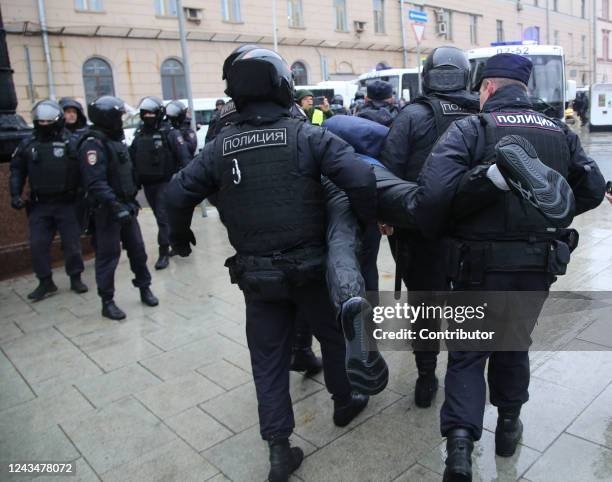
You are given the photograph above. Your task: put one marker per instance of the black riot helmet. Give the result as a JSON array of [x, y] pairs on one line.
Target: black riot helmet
[[258, 75], [176, 112], [446, 69], [51, 114], [227, 63], [70, 103], [155, 106], [338, 99], [106, 112]]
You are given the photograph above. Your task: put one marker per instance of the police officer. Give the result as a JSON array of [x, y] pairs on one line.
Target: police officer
[[358, 102], [53, 177], [176, 113], [379, 103], [158, 151], [109, 177], [337, 105], [214, 120], [74, 118], [266, 169], [411, 138], [507, 245]]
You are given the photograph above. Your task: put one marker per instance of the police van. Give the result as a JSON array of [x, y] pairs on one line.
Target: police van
[[405, 82], [549, 89], [600, 107]]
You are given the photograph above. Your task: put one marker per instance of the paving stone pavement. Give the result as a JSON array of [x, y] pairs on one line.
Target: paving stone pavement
[[167, 395]]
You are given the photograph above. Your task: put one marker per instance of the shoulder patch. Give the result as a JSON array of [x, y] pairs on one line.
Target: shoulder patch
[[524, 119], [180, 139], [450, 108], [92, 157], [227, 109], [245, 141]]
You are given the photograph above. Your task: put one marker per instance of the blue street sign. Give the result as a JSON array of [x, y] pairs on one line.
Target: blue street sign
[[417, 16]]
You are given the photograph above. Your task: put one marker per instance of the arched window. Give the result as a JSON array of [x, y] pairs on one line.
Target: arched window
[[173, 79], [300, 74], [97, 78]]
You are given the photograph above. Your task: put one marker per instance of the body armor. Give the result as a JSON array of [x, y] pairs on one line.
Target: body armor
[[153, 160], [267, 205], [51, 170]]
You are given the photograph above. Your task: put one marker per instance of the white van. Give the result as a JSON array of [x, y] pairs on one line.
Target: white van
[[203, 109], [600, 108], [405, 82]]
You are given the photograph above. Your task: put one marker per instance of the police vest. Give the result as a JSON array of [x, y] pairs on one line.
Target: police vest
[[445, 113], [120, 170], [267, 205], [153, 159], [511, 217], [51, 170]]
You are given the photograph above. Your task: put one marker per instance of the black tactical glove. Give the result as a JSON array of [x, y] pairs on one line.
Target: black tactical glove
[[181, 243], [121, 212], [17, 202]]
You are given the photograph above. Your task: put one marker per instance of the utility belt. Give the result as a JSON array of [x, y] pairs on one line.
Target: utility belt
[[60, 197], [469, 260], [270, 277]]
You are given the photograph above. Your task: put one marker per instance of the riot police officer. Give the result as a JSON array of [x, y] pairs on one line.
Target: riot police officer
[[337, 105], [53, 177], [379, 103], [176, 113], [110, 180], [158, 151], [74, 118], [506, 245], [411, 138], [266, 170]]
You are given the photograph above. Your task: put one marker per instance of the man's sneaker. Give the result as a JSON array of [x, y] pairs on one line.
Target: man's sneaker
[[346, 410], [284, 460], [46, 287], [77, 285], [528, 177], [366, 368], [112, 311]]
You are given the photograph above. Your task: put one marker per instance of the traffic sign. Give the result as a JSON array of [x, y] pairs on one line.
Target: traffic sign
[[417, 16], [419, 30]]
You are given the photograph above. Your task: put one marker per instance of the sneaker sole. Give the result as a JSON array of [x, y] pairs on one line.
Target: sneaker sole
[[368, 377], [543, 187]]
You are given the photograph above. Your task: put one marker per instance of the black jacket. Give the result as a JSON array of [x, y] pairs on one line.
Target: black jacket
[[414, 130], [378, 111], [319, 152], [462, 148]]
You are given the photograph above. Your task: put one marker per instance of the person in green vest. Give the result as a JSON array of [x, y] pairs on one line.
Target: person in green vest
[[316, 114]]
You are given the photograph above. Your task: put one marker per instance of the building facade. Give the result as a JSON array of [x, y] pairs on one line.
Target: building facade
[[604, 52], [131, 48]]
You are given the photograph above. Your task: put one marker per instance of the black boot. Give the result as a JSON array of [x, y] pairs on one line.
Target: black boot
[[508, 432], [459, 446], [303, 359], [346, 410], [112, 311], [164, 258], [365, 366], [284, 459], [45, 288], [425, 389], [77, 285], [147, 297]]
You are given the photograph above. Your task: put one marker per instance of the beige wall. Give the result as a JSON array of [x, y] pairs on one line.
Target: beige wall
[[136, 61]]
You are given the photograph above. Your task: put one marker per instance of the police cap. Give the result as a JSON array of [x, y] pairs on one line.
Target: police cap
[[508, 66]]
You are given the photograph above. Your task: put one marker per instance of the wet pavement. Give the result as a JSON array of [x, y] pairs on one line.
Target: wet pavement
[[167, 394]]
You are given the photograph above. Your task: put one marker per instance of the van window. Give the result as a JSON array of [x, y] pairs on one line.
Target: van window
[[392, 79], [202, 117], [410, 82]]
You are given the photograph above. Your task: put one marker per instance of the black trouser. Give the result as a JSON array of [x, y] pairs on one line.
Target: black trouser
[[369, 257], [155, 197], [109, 237], [508, 372], [422, 270], [45, 219], [270, 331]]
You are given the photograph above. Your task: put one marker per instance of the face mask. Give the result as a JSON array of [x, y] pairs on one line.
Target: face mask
[[150, 122], [46, 131]]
